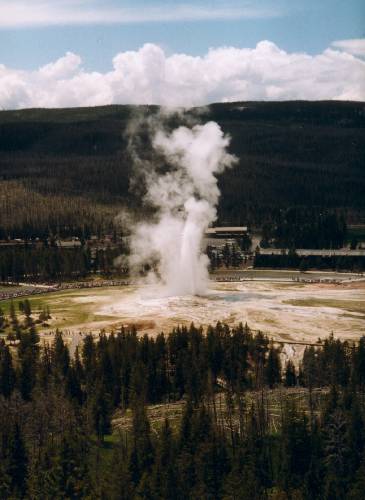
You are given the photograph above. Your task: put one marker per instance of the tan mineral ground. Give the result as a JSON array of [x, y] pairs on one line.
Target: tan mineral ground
[[294, 312], [289, 312]]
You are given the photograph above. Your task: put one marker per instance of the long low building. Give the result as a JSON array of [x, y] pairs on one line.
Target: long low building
[[226, 232], [304, 252]]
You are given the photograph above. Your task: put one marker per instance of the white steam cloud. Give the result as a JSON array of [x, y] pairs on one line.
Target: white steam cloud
[[185, 198]]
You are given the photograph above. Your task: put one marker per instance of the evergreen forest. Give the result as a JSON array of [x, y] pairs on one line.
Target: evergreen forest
[[69, 172], [215, 414]]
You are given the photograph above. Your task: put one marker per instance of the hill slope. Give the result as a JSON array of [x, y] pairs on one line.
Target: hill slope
[[67, 170]]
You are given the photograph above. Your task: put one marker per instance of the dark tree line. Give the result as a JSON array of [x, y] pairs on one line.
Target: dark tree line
[[291, 260], [334, 363], [231, 255], [184, 363], [56, 413], [31, 263], [28, 214], [304, 228]]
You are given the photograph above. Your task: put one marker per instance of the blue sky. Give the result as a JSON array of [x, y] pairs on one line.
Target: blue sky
[[33, 33], [93, 52]]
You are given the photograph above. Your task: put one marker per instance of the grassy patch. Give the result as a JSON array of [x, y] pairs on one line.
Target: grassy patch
[[356, 306], [36, 302], [9, 288], [66, 310]]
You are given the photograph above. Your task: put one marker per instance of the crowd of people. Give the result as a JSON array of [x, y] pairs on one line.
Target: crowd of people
[[14, 290]]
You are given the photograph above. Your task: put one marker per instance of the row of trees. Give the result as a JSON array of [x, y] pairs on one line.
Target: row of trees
[[43, 263], [230, 255], [291, 260], [28, 214], [304, 228], [185, 362], [188, 362], [56, 409], [31, 263]]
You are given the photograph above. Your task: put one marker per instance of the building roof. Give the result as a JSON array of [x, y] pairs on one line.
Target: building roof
[[68, 244], [217, 242], [226, 229], [304, 252]]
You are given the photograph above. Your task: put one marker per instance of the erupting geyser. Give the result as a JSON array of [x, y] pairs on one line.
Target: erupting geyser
[[185, 198]]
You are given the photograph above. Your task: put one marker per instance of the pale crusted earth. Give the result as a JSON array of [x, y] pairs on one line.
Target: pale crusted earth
[[285, 311]]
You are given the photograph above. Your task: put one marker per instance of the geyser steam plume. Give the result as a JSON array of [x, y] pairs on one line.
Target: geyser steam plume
[[185, 198]]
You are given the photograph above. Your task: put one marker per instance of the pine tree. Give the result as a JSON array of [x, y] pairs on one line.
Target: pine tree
[[273, 367], [211, 464], [313, 480], [2, 320], [7, 373], [101, 411], [358, 363], [18, 462], [14, 321], [77, 365], [27, 308], [164, 478], [242, 482], [119, 483], [185, 434], [336, 451], [295, 448], [60, 357], [28, 351], [142, 453], [5, 480], [73, 385], [357, 488], [290, 375], [62, 471], [355, 436], [45, 367], [89, 361], [309, 367]]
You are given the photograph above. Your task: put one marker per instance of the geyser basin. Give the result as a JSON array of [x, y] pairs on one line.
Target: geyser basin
[[283, 310], [287, 311]]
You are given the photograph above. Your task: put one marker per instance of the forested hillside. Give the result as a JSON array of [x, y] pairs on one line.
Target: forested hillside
[[68, 171], [228, 422]]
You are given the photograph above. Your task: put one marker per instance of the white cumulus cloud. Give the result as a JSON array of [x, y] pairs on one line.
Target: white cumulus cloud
[[354, 46], [62, 68], [150, 76]]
